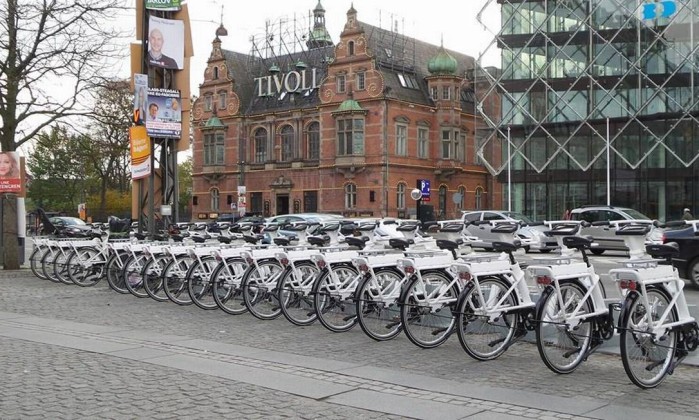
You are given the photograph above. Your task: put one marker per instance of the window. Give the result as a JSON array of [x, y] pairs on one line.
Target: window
[[310, 201], [341, 82], [222, 100], [350, 47], [214, 199], [462, 197], [350, 136], [460, 148], [401, 140], [446, 92], [442, 201], [479, 197], [423, 142], [256, 203], [400, 196], [446, 144], [260, 146], [350, 196], [208, 102], [314, 141], [215, 73], [434, 93], [407, 81], [287, 144], [214, 148], [361, 80]]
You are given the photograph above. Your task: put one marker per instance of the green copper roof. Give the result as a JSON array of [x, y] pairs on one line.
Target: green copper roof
[[214, 122], [442, 63], [321, 34], [350, 105]]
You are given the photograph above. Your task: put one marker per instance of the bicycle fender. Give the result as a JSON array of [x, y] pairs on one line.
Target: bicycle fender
[[623, 316], [466, 290], [405, 287], [539, 303]]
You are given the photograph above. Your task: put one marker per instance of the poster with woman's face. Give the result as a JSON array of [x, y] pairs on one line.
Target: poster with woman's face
[[10, 174]]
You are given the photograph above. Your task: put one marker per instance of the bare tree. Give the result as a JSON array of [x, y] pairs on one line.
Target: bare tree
[[52, 54]]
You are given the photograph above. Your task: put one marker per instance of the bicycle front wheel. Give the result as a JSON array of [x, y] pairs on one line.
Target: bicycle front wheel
[[562, 341], [377, 304], [296, 300], [426, 311], [133, 275], [260, 289], [61, 267], [334, 312], [646, 356], [482, 336], [175, 280], [115, 263], [86, 267], [153, 277], [225, 284]]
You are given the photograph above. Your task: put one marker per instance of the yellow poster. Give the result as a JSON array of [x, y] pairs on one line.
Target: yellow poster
[[140, 152]]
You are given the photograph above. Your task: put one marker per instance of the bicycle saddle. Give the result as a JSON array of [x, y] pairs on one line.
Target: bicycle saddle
[[566, 229], [577, 242], [449, 245], [506, 227], [251, 239], [356, 242], [454, 227], [318, 240], [632, 229], [399, 243], [198, 239], [224, 239], [281, 241], [505, 246]]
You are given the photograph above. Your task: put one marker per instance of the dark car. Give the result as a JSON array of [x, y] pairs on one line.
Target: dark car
[[687, 263], [70, 226]]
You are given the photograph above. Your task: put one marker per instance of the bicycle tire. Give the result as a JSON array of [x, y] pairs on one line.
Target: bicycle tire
[[175, 280], [86, 267], [556, 341], [332, 311], [260, 289], [481, 336], [61, 267], [47, 265], [115, 264], [133, 275], [35, 262], [378, 317], [647, 361], [296, 296], [423, 325], [225, 284], [153, 277], [199, 282]]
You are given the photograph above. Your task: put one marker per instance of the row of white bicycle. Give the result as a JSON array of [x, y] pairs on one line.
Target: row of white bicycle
[[390, 278]]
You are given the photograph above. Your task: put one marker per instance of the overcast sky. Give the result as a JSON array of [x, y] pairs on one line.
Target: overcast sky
[[454, 21]]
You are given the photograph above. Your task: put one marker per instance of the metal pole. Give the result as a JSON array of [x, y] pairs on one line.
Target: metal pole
[[609, 164], [509, 172]]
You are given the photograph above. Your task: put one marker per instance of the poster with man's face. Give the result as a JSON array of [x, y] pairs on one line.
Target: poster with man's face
[[10, 173], [165, 43]]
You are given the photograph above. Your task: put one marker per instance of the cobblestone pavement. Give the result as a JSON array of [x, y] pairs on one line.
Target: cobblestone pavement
[[41, 380]]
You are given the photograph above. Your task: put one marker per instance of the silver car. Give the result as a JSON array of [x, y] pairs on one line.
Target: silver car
[[533, 236]]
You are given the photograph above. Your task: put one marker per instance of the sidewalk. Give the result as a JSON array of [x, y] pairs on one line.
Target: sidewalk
[[89, 352]]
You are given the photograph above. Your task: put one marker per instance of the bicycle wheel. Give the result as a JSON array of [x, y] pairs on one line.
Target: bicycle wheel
[[484, 337], [199, 282], [35, 262], [260, 289], [86, 267], [175, 280], [647, 358], [47, 264], [377, 309], [225, 284], [426, 309], [132, 274], [334, 312], [563, 345], [115, 264], [60, 266], [153, 277], [295, 297]]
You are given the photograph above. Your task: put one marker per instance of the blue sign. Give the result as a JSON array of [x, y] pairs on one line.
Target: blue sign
[[424, 186], [663, 9]]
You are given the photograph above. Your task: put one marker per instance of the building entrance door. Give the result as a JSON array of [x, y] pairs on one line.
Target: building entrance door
[[282, 204]]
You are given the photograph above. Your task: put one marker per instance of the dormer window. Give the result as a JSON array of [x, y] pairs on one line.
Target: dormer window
[[446, 92]]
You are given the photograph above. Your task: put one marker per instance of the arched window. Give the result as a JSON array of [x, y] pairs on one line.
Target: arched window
[[442, 201], [462, 194], [350, 48], [313, 141], [215, 199], [260, 146], [215, 73], [400, 196], [350, 196], [479, 195], [287, 144]]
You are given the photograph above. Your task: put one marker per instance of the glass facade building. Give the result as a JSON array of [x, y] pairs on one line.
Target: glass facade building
[[599, 103]]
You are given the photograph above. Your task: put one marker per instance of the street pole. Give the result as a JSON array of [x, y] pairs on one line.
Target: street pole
[[509, 172], [609, 164]]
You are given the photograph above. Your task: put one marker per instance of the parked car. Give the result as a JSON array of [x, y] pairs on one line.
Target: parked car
[[687, 263], [532, 235], [605, 237], [70, 226]]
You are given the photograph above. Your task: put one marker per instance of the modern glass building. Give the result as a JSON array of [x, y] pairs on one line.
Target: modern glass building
[[582, 80]]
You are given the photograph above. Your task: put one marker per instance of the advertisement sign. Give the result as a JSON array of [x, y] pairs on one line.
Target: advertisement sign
[[140, 152], [10, 174], [166, 43], [165, 5], [164, 117], [140, 98]]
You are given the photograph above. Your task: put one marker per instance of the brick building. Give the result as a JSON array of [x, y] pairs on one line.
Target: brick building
[[348, 127]]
